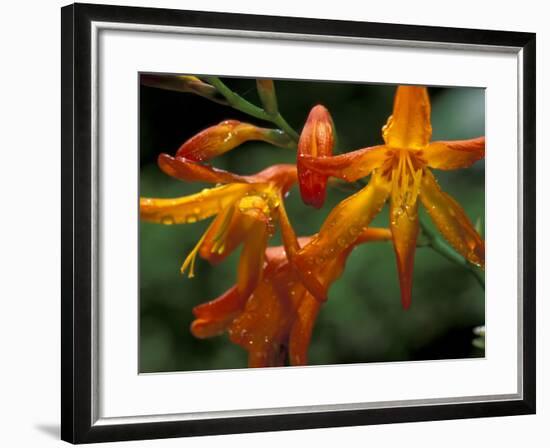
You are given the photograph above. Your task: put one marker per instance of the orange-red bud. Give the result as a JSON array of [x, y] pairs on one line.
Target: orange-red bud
[[317, 140]]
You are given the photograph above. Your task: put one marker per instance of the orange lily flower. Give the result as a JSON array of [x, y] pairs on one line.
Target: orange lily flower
[[275, 321], [246, 209], [400, 171]]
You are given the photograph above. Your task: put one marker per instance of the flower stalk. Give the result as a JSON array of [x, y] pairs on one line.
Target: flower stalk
[[238, 102]]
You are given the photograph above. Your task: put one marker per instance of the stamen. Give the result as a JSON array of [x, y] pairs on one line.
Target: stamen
[[219, 238], [190, 260]]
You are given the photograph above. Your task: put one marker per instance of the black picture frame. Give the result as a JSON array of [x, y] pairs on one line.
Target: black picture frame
[[76, 313]]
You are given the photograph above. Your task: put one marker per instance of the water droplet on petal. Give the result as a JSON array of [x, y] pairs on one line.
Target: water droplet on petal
[[167, 220]]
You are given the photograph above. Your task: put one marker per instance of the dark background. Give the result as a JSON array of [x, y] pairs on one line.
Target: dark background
[[363, 320]]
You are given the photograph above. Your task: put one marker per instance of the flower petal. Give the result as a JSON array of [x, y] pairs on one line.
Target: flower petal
[[283, 175], [262, 329], [225, 234], [212, 318], [409, 125], [190, 171], [341, 230], [349, 166], [372, 234], [192, 208], [452, 221], [302, 328], [450, 155], [223, 137], [251, 261], [404, 228], [290, 241]]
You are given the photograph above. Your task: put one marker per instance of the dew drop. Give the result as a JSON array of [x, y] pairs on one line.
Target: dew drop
[[167, 220], [191, 219]]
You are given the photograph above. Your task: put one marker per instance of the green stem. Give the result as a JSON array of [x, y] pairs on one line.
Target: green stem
[[238, 102], [441, 247]]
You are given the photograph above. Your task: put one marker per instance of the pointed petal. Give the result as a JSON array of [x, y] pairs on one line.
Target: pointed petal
[[251, 262], [452, 221], [340, 231], [229, 302], [409, 126], [374, 234], [350, 166], [193, 208], [404, 228], [212, 318], [283, 175], [262, 329], [189, 171], [450, 155], [302, 328], [288, 235]]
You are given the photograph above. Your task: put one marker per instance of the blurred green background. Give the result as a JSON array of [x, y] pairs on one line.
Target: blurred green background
[[363, 320]]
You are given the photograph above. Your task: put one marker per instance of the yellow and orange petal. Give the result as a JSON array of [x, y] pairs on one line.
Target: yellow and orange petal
[[345, 223], [452, 221], [251, 261], [192, 208], [405, 227], [451, 155], [302, 329], [225, 234], [409, 126], [350, 166], [190, 171]]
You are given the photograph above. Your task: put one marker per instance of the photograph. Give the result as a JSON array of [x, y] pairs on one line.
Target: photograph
[[294, 222], [275, 222]]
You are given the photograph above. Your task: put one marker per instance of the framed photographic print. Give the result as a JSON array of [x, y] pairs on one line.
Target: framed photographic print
[[274, 223]]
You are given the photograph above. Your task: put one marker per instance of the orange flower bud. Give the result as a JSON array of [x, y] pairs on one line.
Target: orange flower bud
[[225, 136], [183, 83], [317, 140]]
